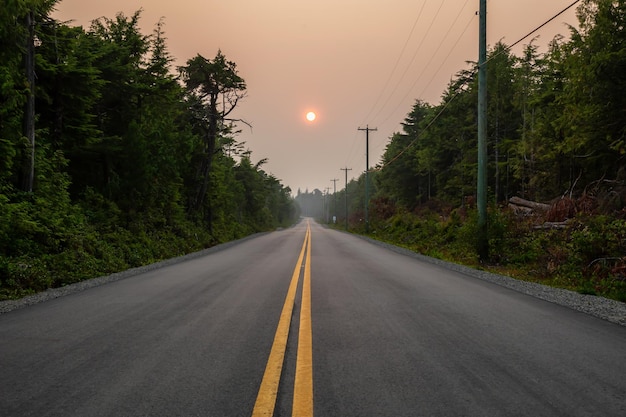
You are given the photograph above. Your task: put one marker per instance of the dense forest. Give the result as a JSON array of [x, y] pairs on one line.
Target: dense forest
[[556, 136], [110, 158]]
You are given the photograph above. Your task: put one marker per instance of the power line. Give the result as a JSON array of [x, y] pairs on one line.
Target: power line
[[436, 72], [418, 78], [535, 30], [411, 62], [446, 58], [397, 61], [432, 22], [350, 158], [460, 90], [546, 22]]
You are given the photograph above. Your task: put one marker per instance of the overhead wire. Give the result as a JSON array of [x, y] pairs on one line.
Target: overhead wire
[[419, 135], [433, 77], [432, 22], [395, 67], [351, 153], [419, 77], [469, 22], [545, 23], [437, 71], [402, 76], [460, 90], [393, 71], [535, 30]]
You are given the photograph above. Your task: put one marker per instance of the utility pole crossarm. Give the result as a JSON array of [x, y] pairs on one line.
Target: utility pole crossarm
[[367, 131]]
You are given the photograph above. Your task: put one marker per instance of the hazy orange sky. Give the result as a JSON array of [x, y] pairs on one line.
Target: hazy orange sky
[[353, 62]]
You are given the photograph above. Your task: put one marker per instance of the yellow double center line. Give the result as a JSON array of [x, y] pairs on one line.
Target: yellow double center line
[[303, 386]]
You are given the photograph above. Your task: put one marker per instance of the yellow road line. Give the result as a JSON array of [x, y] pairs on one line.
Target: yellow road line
[[303, 388], [266, 398]]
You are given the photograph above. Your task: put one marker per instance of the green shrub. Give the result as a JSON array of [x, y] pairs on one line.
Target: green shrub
[[588, 256], [23, 275]]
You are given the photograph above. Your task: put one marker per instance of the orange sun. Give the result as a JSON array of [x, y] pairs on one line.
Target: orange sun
[[310, 116]]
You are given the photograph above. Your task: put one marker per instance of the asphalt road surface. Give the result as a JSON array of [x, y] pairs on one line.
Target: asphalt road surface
[[365, 332]]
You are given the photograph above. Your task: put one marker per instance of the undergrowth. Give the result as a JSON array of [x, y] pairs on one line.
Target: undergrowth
[[587, 256]]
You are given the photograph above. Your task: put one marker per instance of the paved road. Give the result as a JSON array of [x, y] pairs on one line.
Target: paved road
[[390, 336]]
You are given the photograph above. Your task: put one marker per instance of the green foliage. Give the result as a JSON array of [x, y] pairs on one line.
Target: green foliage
[[213, 89], [555, 121], [556, 127], [406, 174], [595, 256], [588, 256], [118, 146]]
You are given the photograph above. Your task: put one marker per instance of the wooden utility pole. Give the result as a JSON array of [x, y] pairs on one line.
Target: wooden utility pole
[[334, 180], [367, 130], [327, 205], [346, 169], [481, 186]]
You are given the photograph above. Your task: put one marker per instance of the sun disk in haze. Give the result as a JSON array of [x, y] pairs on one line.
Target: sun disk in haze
[[310, 116]]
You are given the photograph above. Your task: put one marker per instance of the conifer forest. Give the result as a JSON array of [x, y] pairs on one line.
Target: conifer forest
[[112, 158]]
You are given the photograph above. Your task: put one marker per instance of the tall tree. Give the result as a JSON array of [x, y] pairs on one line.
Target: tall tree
[[20, 24], [503, 117], [521, 156], [597, 65], [158, 142], [69, 86], [453, 135], [405, 161], [120, 50], [542, 165], [214, 88]]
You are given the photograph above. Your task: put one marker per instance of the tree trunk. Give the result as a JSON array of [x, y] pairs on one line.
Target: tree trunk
[[207, 161], [530, 204]]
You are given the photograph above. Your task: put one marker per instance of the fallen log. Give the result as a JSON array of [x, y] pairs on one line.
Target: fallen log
[[517, 201]]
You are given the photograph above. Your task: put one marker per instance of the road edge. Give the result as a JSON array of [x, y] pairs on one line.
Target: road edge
[[600, 307], [7, 306]]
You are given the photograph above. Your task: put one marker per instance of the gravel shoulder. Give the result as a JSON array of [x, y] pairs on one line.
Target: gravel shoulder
[[52, 293], [604, 308]]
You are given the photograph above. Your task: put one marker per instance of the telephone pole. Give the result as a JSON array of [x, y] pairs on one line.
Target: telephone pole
[[334, 180], [367, 130], [346, 169], [481, 187], [327, 204]]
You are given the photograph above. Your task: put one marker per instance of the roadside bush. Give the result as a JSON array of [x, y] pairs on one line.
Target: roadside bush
[[596, 251], [588, 256], [23, 275]]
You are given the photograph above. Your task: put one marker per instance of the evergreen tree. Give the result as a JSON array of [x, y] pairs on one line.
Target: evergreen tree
[[214, 88]]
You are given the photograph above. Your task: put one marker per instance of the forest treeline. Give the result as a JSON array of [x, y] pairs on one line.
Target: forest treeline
[[556, 134], [110, 158]]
